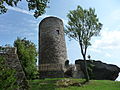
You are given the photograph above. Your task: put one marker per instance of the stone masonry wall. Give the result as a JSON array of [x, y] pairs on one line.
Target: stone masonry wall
[[13, 62], [52, 48]]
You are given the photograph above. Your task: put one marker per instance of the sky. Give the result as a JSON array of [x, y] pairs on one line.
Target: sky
[[19, 22]]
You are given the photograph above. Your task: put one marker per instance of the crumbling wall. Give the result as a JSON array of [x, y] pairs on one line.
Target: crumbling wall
[[9, 53]]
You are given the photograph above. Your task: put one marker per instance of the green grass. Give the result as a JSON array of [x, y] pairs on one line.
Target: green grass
[[50, 84]]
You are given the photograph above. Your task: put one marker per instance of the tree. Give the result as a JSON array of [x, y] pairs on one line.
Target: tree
[[82, 25], [7, 76], [27, 55], [37, 5]]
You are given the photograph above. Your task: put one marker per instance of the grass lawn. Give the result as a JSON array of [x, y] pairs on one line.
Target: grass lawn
[[50, 84]]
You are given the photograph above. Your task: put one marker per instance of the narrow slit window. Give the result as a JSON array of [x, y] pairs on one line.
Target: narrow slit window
[[58, 32]]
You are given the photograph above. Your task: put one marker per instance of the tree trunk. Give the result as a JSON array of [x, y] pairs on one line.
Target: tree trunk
[[84, 58], [86, 71]]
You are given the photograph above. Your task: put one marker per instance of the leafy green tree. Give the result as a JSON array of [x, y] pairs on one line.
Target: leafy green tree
[[38, 6], [27, 54], [83, 24], [7, 76]]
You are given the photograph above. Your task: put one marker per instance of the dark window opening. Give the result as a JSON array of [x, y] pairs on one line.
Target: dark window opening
[[58, 32]]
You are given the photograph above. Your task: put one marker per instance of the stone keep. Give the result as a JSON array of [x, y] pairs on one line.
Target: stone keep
[[52, 48]]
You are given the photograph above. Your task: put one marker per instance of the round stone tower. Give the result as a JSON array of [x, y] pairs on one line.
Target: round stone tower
[[52, 47]]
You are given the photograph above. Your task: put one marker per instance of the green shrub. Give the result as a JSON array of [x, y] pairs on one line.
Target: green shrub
[[7, 76], [27, 54]]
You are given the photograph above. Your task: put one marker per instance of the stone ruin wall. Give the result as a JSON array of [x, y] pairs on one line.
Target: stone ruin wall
[[12, 61]]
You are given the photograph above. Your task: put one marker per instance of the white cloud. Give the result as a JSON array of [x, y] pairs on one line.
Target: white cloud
[[109, 40], [94, 50], [24, 11], [115, 15], [107, 46], [113, 18], [31, 13], [108, 55], [19, 10]]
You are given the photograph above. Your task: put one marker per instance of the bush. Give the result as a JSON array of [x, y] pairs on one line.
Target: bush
[[27, 54], [7, 76]]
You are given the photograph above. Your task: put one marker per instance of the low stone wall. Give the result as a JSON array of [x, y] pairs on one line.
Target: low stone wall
[[13, 62]]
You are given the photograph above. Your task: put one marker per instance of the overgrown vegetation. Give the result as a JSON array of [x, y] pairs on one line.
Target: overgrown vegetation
[[7, 76], [27, 54], [50, 84]]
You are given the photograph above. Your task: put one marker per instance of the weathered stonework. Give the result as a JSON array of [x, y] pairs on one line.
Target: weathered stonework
[[52, 48], [13, 62]]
